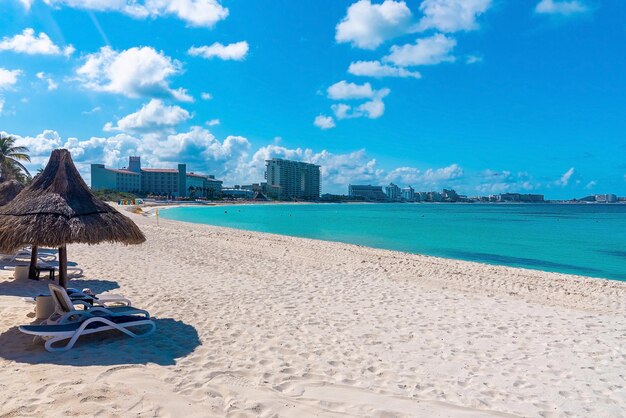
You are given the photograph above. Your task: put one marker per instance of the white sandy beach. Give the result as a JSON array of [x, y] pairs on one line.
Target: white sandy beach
[[253, 324]]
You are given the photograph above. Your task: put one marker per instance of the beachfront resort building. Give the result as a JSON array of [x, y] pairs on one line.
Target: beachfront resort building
[[393, 192], [408, 194], [292, 180], [367, 192], [175, 182]]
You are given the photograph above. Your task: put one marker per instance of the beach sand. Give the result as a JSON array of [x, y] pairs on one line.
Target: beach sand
[[253, 324]]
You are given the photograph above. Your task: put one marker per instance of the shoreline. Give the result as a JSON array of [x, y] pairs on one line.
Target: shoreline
[[150, 213]]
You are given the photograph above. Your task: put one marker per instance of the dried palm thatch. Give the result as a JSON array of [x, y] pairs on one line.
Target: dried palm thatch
[[57, 208], [9, 190]]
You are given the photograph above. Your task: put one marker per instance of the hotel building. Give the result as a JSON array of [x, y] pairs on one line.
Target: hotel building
[[408, 194], [289, 180], [367, 192], [157, 181], [393, 192]]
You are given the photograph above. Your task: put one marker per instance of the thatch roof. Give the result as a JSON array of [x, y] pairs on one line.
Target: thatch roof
[[8, 190], [58, 208]]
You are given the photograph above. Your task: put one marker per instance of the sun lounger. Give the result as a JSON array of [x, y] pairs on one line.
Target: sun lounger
[[100, 300], [59, 332], [66, 312], [22, 257]]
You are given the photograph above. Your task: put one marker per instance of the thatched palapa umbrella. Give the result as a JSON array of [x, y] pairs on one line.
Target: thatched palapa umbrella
[[9, 190], [58, 209]]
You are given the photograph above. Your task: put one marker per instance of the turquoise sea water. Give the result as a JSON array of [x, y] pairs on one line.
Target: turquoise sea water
[[588, 240]]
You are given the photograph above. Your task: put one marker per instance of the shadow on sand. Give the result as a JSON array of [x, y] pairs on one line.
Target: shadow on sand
[[172, 340], [32, 288]]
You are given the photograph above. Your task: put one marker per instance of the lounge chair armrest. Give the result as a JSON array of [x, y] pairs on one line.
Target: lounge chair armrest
[[86, 305]]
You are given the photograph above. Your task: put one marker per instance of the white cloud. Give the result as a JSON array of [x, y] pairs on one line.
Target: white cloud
[[378, 70], [8, 78], [591, 184], [565, 178], [134, 72], [473, 59], [236, 51], [92, 111], [341, 110], [52, 85], [425, 51], [213, 122], [151, 117], [28, 43], [1, 105], [556, 7], [205, 13], [206, 96], [26, 3], [368, 25], [343, 90], [451, 15], [324, 122], [40, 145], [372, 109], [429, 178]]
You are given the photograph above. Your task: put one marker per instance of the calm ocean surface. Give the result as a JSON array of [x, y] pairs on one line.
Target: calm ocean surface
[[588, 240]]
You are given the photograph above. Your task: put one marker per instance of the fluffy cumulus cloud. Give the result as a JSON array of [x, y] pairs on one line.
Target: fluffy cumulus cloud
[[372, 109], [451, 15], [378, 70], [8, 78], [52, 85], [428, 178], [324, 122], [151, 117], [337, 170], [134, 72], [368, 25], [205, 13], [557, 7], [425, 51], [343, 90], [236, 51], [39, 146], [33, 44]]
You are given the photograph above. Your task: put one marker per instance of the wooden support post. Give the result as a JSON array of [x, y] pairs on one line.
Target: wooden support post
[[32, 274], [63, 266]]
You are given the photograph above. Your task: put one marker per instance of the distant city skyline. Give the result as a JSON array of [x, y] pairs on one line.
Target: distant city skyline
[[480, 96]]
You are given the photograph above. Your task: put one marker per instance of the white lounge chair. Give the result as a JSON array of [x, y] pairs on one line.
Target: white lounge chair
[[72, 331], [66, 312], [100, 299], [12, 258]]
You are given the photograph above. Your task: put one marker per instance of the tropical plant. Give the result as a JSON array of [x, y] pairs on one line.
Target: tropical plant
[[11, 156]]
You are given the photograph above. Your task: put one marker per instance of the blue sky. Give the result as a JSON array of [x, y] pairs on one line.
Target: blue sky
[[484, 96]]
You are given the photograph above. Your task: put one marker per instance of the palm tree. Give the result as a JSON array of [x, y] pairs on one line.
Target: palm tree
[[10, 157]]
